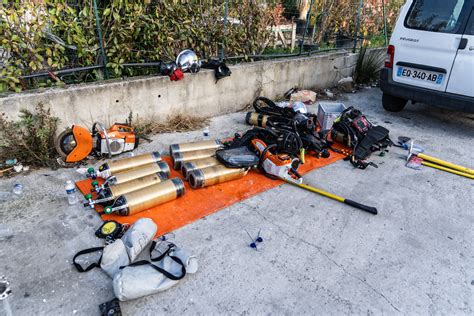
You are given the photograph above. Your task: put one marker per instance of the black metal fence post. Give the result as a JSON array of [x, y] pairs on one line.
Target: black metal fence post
[[226, 13], [357, 26], [308, 17], [101, 42]]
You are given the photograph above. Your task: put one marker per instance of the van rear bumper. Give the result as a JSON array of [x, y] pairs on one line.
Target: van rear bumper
[[422, 95]]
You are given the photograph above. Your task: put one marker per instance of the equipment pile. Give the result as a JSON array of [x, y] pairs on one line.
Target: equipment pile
[[281, 136]]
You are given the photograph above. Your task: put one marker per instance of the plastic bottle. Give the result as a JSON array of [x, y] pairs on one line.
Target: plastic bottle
[[206, 133], [71, 192], [17, 189], [128, 154]]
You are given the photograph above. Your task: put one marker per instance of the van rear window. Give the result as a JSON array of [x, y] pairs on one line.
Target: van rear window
[[435, 15]]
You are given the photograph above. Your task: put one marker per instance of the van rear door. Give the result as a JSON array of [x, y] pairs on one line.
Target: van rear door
[[461, 80], [427, 42]]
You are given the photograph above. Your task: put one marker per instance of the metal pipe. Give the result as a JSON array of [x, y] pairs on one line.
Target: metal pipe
[[157, 64], [284, 55], [61, 72], [86, 68], [264, 56], [324, 50], [149, 64]]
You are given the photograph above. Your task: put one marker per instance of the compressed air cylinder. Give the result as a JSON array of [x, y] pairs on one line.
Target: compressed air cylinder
[[146, 198], [119, 165], [189, 166], [137, 184], [182, 157], [201, 178], [138, 172], [256, 119], [108, 194], [203, 145]]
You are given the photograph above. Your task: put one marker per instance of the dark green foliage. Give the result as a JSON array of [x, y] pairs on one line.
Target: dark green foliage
[[369, 64], [133, 32], [31, 139]]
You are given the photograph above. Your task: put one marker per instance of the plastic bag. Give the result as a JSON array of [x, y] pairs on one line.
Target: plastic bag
[[150, 277], [138, 236], [114, 256]]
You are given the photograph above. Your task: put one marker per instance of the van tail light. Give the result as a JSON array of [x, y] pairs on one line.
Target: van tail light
[[390, 55]]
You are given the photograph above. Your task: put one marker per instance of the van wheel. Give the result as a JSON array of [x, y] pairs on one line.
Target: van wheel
[[393, 104]]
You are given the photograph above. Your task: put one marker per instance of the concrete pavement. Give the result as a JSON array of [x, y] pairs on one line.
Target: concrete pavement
[[318, 256]]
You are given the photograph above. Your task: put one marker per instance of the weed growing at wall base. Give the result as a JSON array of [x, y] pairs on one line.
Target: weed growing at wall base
[[31, 139]]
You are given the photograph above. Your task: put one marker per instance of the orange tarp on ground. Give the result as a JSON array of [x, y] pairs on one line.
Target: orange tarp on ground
[[198, 203]]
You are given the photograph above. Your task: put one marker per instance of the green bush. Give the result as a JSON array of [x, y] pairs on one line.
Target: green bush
[[25, 28], [55, 35]]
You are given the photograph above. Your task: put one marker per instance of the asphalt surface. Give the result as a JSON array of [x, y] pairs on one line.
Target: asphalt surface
[[318, 256]]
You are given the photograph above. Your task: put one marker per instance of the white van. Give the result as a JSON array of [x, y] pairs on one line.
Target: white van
[[430, 58]]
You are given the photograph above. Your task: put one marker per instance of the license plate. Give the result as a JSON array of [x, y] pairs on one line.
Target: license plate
[[420, 75]]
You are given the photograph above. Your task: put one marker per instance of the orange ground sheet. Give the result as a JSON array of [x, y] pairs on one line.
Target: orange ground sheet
[[198, 203]]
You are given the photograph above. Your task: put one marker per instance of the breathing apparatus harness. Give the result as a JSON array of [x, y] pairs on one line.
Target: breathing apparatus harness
[[276, 160], [298, 125], [220, 68], [354, 130], [284, 141], [171, 70]]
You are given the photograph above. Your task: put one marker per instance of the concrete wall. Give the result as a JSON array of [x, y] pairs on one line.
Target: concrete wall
[[197, 94]]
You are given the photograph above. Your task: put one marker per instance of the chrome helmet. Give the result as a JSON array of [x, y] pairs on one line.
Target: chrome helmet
[[187, 60]]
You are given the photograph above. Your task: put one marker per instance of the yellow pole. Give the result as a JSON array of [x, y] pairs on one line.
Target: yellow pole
[[460, 173], [319, 191], [446, 164], [302, 155], [338, 198]]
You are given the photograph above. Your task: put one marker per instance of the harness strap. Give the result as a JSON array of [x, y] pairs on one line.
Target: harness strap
[[91, 266], [159, 258]]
